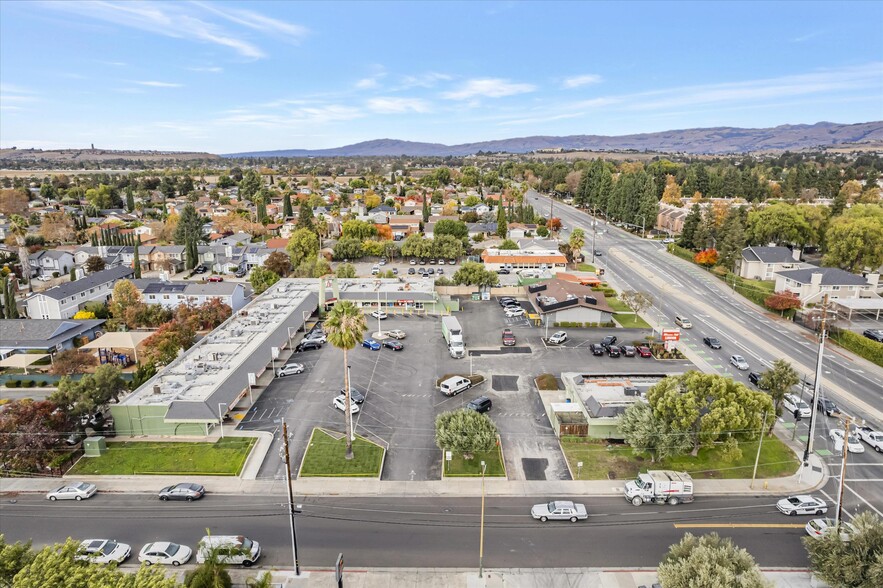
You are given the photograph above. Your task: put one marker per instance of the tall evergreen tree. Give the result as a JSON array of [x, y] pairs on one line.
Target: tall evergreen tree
[[688, 232], [502, 223], [305, 217], [732, 237], [188, 233], [426, 209], [137, 258], [130, 199], [287, 211]]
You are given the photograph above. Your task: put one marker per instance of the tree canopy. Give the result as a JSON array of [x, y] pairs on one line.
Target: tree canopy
[[857, 563], [709, 560], [465, 431]]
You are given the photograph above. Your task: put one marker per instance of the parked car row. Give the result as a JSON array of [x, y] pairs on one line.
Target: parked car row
[[82, 490], [228, 549]]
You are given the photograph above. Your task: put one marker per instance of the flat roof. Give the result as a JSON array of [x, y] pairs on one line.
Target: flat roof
[[215, 370]]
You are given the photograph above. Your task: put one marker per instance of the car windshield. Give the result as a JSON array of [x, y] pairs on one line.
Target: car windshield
[[109, 547], [794, 500], [246, 544], [82, 486], [853, 439], [551, 506], [173, 549]]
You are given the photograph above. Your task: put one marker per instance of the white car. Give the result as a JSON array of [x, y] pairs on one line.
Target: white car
[[103, 551], [559, 510], [802, 504], [44, 278], [73, 491], [290, 369], [340, 404], [853, 445], [396, 334], [164, 552], [379, 314], [792, 403], [558, 338], [739, 362], [818, 528], [316, 336], [514, 311]]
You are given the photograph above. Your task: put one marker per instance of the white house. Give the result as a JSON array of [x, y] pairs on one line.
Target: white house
[[812, 283], [63, 301], [172, 294], [47, 262], [760, 263]]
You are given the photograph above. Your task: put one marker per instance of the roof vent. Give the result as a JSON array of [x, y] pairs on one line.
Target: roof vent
[[591, 300]]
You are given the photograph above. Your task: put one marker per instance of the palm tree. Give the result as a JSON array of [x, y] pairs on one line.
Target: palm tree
[[345, 327], [18, 228], [576, 242]]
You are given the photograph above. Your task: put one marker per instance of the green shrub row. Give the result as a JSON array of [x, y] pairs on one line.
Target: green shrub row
[[607, 292], [576, 325], [859, 344], [20, 383]]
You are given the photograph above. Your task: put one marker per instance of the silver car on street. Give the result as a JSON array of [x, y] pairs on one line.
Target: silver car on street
[[559, 510]]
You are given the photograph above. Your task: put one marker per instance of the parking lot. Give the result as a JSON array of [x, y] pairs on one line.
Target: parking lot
[[402, 400]]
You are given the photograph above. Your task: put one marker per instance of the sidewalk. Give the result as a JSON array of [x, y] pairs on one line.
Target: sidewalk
[[497, 578]]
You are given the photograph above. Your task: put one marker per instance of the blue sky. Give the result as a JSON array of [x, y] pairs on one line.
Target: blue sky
[[239, 76]]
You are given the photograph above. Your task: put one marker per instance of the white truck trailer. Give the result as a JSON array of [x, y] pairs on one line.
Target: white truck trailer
[[453, 334], [659, 487]]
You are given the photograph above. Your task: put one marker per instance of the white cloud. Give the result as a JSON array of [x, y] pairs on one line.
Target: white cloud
[[582, 80], [394, 105], [367, 83], [426, 80], [155, 84], [214, 69], [185, 21], [489, 88]]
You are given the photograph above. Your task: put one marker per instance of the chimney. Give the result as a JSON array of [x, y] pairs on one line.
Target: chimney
[[816, 279], [228, 251], [873, 279], [795, 253]]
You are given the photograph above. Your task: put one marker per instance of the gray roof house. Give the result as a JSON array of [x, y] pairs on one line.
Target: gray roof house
[[811, 284], [760, 263], [63, 301], [47, 261], [23, 335]]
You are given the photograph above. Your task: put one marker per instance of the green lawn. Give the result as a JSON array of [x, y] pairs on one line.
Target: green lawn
[[631, 321], [586, 267], [459, 467], [326, 457], [222, 458], [599, 459], [617, 305]]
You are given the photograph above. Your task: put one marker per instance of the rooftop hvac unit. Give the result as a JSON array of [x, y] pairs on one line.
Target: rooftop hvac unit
[[591, 300], [631, 391], [157, 389]]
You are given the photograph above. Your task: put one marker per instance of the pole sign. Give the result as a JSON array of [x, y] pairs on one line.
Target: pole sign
[[671, 334]]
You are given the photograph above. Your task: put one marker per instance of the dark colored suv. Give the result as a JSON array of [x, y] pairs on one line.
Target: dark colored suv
[[874, 335], [608, 341], [614, 351], [629, 350], [597, 349], [308, 344], [480, 404]]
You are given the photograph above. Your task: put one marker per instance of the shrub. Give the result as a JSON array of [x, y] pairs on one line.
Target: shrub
[[27, 383], [547, 382], [858, 344], [10, 384]]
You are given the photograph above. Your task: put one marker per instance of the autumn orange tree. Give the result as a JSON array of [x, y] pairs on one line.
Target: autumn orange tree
[[784, 300], [706, 257]]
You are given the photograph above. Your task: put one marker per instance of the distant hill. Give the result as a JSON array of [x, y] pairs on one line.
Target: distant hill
[[50, 156], [717, 140]]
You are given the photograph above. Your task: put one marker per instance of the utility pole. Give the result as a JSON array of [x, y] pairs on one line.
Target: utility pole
[[594, 230], [291, 509], [842, 473], [817, 386], [481, 538], [759, 445]]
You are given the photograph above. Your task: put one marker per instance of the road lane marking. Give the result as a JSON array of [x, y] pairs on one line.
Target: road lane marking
[[860, 497], [738, 526]]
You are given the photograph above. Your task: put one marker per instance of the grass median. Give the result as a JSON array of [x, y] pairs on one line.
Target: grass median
[[602, 461], [224, 457], [326, 457]]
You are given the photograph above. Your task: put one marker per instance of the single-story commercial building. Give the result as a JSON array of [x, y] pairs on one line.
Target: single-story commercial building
[[560, 301]]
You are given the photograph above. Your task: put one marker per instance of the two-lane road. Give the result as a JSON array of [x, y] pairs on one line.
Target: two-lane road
[[418, 532]]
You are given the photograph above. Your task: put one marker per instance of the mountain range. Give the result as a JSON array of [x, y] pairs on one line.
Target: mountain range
[[717, 140]]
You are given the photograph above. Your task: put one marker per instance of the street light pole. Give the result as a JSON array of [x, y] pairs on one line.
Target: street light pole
[[759, 445], [481, 538], [643, 220], [291, 508], [842, 473], [221, 418]]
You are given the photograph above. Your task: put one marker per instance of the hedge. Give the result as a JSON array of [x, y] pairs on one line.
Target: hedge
[[576, 325], [858, 344]]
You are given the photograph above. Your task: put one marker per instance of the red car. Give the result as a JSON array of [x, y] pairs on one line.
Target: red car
[[508, 338], [215, 279], [644, 351]]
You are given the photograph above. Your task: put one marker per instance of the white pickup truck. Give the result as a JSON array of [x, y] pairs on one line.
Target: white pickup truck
[[872, 438]]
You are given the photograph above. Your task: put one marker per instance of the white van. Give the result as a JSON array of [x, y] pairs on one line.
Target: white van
[[375, 270], [229, 549], [683, 322], [455, 385]]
